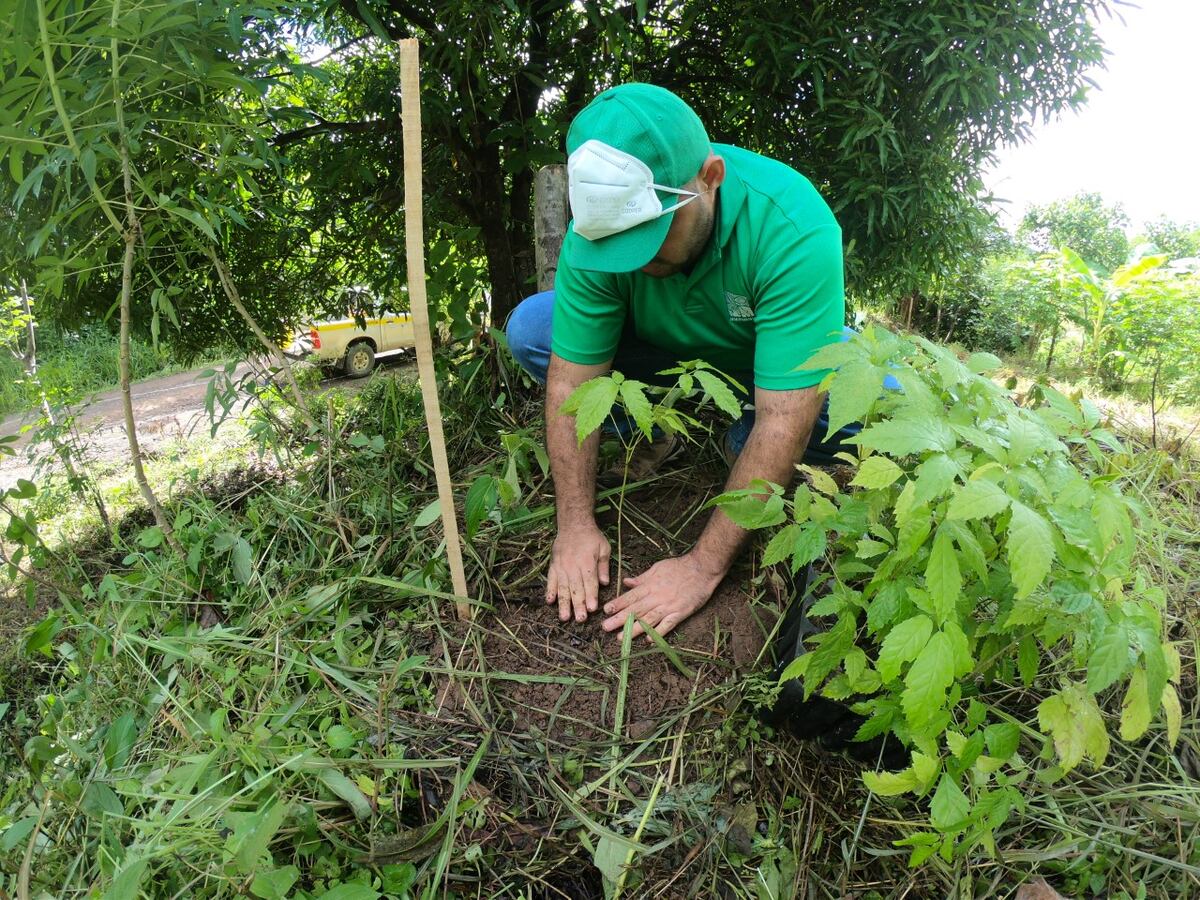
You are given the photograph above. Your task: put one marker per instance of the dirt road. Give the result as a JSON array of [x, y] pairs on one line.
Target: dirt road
[[165, 409]]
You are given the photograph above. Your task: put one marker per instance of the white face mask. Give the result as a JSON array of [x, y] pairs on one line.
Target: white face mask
[[611, 191]]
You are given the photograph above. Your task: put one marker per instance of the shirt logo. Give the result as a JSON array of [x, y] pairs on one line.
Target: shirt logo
[[738, 307]]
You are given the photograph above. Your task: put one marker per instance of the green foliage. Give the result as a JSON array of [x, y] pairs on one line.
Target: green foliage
[[1085, 223], [1174, 239], [981, 542]]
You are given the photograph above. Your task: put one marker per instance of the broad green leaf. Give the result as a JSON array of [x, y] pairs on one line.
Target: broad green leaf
[[119, 741], [1110, 658], [1030, 544], [829, 653], [832, 356], [350, 891], [274, 884], [1024, 438], [591, 403], [884, 605], [609, 858], [935, 476], [977, 499], [1027, 660], [430, 514], [902, 437], [891, 784], [983, 362], [243, 561], [928, 679], [720, 392], [855, 388], [126, 884], [821, 480], [1003, 739], [250, 841], [809, 545], [1173, 712], [949, 807], [481, 499], [633, 395], [876, 472], [1135, 709], [751, 512], [902, 644], [942, 577], [347, 790], [339, 737], [780, 546]]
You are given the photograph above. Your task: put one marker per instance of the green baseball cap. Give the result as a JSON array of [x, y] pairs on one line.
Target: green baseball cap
[[630, 151]]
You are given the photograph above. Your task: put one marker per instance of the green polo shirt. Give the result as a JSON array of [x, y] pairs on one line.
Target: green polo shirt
[[767, 293]]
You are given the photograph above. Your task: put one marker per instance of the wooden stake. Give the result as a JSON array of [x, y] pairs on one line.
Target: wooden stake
[[414, 241]]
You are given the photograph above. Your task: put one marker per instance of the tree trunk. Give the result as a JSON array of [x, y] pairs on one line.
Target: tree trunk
[[131, 231], [550, 217]]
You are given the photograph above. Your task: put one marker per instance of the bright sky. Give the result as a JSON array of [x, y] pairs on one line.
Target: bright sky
[[1137, 141]]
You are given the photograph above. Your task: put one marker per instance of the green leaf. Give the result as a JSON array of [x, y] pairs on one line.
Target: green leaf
[[481, 499], [720, 392], [150, 537], [928, 679], [274, 884], [1135, 709], [1003, 739], [884, 606], [633, 395], [902, 437], [935, 476], [1110, 658], [977, 499], [1030, 546], [609, 857], [350, 891], [876, 472], [347, 790], [983, 362], [902, 644], [949, 807], [1027, 660], [339, 737], [591, 403], [751, 512], [250, 841], [243, 561], [126, 884], [119, 741], [891, 784], [854, 390], [430, 514], [942, 577], [809, 545]]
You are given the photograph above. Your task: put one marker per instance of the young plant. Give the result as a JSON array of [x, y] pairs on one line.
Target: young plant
[[980, 545]]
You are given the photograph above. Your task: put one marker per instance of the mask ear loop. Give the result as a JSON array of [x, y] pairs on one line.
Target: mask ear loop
[[691, 195]]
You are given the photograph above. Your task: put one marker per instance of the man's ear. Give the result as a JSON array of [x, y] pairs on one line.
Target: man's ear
[[712, 173]]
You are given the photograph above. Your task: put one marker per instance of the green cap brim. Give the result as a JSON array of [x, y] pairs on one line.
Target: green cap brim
[[625, 251]]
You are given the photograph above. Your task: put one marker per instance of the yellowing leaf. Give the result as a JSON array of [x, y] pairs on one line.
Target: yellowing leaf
[[1173, 712], [1073, 720], [821, 480], [890, 784], [1135, 710]]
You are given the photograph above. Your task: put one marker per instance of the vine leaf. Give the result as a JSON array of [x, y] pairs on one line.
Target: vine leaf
[[876, 472], [979, 499], [902, 645], [590, 403], [928, 679]]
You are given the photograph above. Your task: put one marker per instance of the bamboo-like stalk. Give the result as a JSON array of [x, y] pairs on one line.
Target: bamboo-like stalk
[[234, 297]]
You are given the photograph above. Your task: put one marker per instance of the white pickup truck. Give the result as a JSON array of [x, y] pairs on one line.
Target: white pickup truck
[[351, 348]]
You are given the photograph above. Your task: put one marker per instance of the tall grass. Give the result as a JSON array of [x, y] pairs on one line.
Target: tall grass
[[73, 365]]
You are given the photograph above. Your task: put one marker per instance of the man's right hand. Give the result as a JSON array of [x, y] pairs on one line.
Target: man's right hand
[[578, 566]]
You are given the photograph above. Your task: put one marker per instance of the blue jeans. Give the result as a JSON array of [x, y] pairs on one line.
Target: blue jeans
[[528, 333]]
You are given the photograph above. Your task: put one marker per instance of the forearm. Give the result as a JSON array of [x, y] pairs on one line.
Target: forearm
[[776, 444], [572, 465]]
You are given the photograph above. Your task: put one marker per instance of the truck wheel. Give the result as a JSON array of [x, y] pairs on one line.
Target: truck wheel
[[360, 360]]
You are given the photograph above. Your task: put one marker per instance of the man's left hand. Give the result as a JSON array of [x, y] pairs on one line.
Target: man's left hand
[[662, 596]]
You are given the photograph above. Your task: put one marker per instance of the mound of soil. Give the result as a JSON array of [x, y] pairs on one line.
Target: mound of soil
[[562, 679]]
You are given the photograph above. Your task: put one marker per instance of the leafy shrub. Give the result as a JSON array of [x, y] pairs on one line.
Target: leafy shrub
[[981, 545]]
